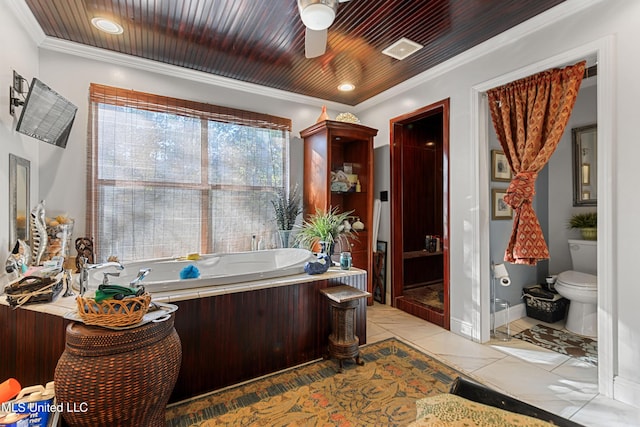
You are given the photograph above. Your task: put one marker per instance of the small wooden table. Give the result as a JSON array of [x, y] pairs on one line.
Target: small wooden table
[[343, 342]]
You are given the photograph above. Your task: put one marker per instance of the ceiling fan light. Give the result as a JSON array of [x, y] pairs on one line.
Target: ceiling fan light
[[318, 16], [346, 87]]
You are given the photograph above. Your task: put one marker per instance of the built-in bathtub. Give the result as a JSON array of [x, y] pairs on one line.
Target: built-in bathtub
[[229, 334], [214, 269]]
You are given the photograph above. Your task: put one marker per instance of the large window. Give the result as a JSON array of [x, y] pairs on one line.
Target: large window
[[168, 177]]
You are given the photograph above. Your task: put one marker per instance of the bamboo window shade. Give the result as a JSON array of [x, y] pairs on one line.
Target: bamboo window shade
[[181, 107], [168, 176]]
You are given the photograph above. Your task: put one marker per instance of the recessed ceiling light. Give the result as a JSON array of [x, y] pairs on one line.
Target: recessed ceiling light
[[346, 87], [107, 25]]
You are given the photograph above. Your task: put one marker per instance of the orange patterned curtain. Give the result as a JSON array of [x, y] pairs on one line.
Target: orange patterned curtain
[[529, 116]]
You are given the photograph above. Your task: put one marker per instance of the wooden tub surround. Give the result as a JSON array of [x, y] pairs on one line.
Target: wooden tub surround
[[229, 333]]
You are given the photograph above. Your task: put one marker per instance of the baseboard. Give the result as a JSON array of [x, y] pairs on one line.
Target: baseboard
[[626, 391], [462, 328], [515, 312]]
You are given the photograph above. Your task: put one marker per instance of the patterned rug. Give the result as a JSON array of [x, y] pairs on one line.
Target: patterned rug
[[382, 392], [564, 342]]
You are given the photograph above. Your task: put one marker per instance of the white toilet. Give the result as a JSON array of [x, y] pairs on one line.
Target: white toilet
[[580, 287]]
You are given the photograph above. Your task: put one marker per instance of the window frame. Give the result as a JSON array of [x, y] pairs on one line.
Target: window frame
[[100, 94]]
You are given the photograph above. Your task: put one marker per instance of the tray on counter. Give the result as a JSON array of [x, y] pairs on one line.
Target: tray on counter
[[158, 312]]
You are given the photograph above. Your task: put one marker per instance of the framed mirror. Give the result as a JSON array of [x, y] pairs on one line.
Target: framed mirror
[[585, 165], [19, 188]]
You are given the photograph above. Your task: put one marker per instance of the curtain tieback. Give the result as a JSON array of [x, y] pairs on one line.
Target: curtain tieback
[[522, 189]]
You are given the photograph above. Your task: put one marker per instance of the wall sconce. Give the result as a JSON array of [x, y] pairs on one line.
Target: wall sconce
[[15, 90]]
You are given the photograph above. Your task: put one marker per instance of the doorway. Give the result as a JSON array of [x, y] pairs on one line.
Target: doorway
[[420, 213]]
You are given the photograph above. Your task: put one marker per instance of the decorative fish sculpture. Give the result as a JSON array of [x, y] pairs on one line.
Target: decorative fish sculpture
[[19, 259], [39, 236]]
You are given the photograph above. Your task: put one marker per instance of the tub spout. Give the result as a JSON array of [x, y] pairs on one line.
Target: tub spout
[[141, 275]]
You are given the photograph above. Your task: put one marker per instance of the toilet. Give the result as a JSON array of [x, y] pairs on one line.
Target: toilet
[[580, 287]]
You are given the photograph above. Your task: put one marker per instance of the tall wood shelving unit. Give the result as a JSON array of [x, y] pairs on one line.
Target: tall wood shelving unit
[[328, 145]]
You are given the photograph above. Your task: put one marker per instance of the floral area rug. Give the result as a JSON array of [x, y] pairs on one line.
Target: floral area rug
[[382, 392], [564, 342]]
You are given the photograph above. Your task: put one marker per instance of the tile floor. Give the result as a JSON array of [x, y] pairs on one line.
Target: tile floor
[[541, 377]]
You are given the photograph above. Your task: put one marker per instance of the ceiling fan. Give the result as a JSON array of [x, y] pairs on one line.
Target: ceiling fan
[[317, 16]]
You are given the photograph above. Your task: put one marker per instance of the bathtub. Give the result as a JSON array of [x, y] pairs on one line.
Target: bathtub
[[215, 269]]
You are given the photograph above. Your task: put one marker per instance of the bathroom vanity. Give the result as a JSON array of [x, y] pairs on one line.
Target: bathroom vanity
[[229, 333]]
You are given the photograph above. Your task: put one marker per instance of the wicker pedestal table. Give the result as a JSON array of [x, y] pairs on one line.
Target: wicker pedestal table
[[118, 377], [343, 342]]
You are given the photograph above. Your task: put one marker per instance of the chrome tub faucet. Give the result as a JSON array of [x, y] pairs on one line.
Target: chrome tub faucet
[[83, 279]]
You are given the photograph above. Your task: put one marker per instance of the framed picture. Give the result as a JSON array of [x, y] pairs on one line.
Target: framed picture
[[499, 208], [379, 278], [500, 169]]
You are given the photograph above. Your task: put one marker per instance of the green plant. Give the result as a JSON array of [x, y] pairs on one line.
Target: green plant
[[584, 220], [323, 227], [287, 208]]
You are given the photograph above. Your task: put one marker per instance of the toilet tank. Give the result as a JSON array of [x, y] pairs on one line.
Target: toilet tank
[[584, 256]]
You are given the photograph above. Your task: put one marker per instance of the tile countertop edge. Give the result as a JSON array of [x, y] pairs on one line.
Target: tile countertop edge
[[61, 305]]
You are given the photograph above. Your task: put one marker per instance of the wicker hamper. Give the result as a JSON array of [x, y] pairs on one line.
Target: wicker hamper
[[544, 305], [118, 377]]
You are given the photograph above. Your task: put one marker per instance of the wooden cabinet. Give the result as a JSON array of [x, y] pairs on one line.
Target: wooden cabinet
[[331, 146]]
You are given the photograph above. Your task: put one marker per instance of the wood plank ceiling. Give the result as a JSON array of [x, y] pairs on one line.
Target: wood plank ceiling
[[262, 41]]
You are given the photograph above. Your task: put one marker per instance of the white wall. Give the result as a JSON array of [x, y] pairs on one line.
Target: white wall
[[561, 183], [63, 176], [18, 53], [614, 17]]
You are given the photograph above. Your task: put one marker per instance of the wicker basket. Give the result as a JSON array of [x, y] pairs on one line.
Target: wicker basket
[[113, 313], [544, 305]]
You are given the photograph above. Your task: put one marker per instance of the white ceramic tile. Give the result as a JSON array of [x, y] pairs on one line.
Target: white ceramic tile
[[401, 320], [602, 411], [530, 353], [414, 333], [537, 386], [577, 369], [379, 336], [187, 294], [538, 376], [459, 352], [374, 329]]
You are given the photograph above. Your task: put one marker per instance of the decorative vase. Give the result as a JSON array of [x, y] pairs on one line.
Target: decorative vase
[[285, 237], [327, 248], [323, 115], [589, 233]]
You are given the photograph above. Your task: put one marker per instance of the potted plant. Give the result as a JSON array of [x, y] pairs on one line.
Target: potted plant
[[324, 229], [587, 223], [287, 207]]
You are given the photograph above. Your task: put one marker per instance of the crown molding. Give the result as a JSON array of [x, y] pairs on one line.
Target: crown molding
[[103, 55]]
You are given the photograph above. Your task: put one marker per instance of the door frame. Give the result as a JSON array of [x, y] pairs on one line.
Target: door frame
[[608, 336], [396, 206]]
